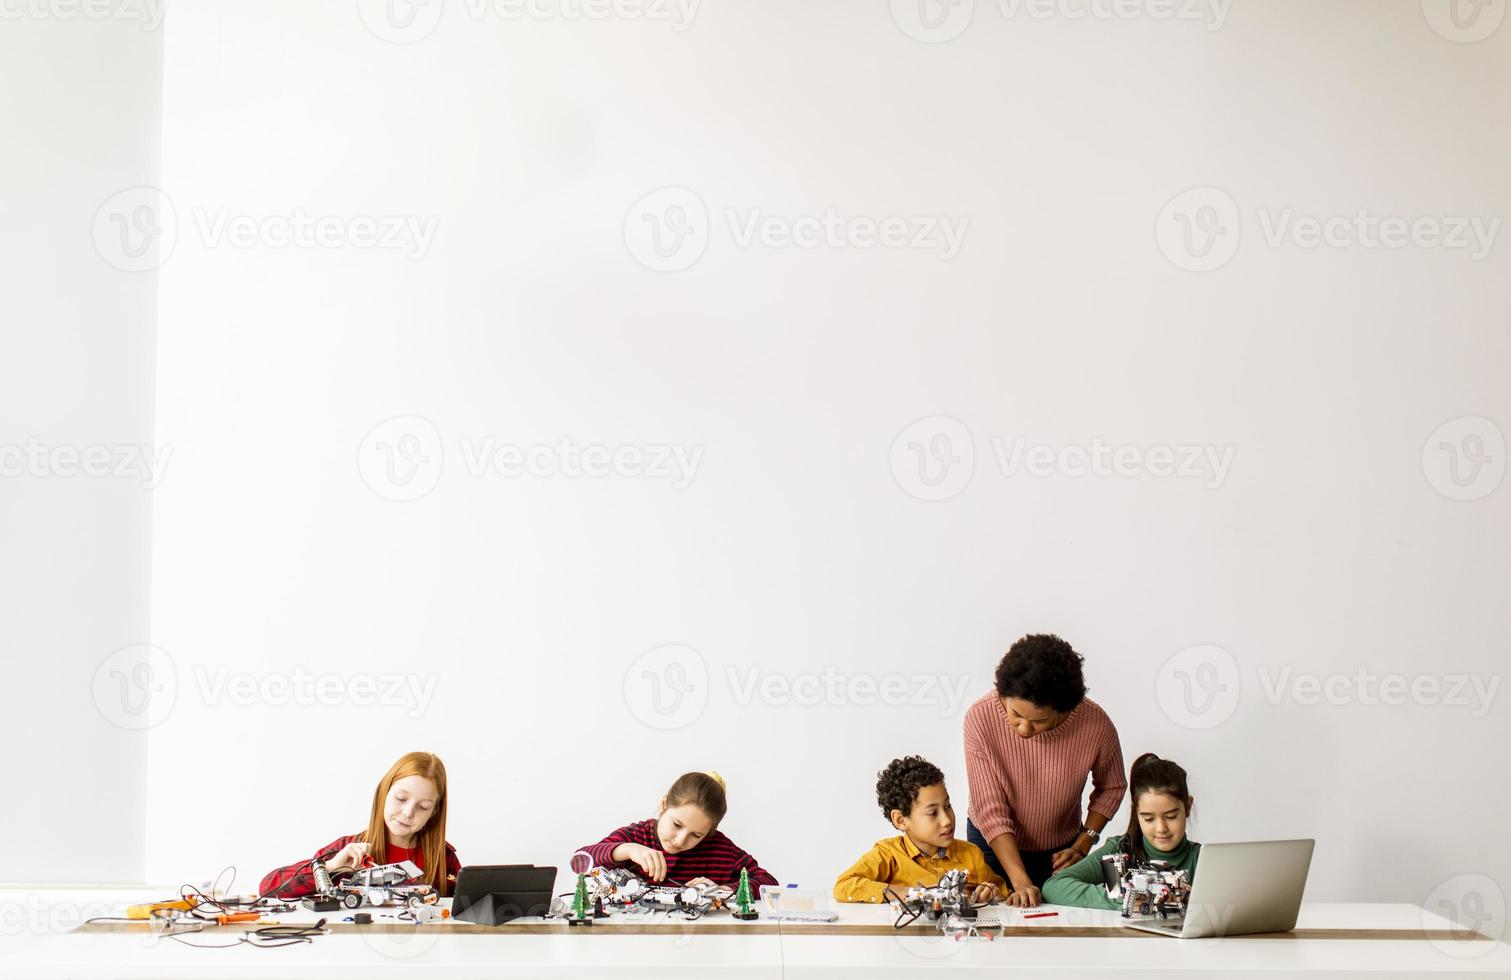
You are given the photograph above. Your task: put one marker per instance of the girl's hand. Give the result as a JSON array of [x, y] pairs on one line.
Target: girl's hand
[[1024, 898], [1067, 857], [985, 892], [349, 858], [647, 859], [702, 883]]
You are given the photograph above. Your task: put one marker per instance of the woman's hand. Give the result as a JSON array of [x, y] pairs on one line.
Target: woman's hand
[[985, 892], [1024, 896], [1065, 858], [349, 858], [647, 859]]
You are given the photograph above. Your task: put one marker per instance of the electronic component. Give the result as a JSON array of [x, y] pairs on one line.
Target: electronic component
[[1151, 888], [947, 904]]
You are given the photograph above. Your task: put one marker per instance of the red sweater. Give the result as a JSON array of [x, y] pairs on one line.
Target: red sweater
[[297, 880], [715, 857], [1031, 787]]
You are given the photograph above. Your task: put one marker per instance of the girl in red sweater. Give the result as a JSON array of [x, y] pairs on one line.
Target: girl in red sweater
[[683, 843], [408, 823]]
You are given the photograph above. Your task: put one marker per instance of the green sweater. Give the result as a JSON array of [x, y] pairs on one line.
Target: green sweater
[[1081, 884]]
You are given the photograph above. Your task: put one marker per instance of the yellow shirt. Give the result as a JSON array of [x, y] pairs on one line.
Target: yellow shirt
[[896, 862]]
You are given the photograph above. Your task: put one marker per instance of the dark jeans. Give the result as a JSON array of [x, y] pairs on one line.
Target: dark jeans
[[1039, 864]]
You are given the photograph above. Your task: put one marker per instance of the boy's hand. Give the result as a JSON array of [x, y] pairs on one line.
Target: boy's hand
[[985, 892], [647, 859]]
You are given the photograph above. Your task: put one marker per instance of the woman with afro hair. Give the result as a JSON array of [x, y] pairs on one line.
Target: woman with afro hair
[[1029, 746]]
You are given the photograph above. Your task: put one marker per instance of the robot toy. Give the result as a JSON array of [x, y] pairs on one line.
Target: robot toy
[[947, 904], [380, 885], [1146, 887]]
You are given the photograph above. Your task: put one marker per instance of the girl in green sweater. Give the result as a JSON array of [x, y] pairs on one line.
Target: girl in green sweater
[[1156, 831]]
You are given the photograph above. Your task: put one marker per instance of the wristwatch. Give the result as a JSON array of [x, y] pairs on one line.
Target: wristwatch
[[1087, 831]]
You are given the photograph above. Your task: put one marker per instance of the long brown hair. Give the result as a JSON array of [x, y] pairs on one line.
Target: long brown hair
[[432, 837], [704, 790], [1151, 774]]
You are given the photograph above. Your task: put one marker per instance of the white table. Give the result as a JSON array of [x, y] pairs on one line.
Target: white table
[[1331, 940]]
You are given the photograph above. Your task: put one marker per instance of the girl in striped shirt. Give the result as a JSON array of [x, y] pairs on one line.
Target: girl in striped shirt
[[682, 844]]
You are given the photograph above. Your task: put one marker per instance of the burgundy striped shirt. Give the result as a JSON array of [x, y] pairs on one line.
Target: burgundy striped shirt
[[715, 857], [1031, 787]]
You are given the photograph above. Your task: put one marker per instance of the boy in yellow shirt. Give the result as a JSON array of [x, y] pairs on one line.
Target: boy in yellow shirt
[[911, 794]]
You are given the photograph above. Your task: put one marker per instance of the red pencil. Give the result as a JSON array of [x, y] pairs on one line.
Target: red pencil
[[1040, 915]]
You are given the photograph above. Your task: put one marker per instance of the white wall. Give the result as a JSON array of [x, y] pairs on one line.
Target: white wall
[[529, 319], [80, 118]]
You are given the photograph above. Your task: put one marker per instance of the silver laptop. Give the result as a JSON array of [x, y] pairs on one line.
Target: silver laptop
[[1240, 890]]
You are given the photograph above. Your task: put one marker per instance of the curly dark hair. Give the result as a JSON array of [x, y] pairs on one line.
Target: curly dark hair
[[897, 785], [1042, 669]]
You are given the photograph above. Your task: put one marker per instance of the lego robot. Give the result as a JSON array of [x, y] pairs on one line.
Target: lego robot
[[947, 904], [1150, 888], [380, 885]]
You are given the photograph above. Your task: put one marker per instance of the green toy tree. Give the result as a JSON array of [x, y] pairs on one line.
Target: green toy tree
[[742, 898], [580, 910]]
